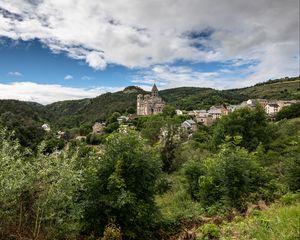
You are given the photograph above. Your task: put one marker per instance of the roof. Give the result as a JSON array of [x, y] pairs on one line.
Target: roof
[[273, 105], [154, 88], [190, 121]]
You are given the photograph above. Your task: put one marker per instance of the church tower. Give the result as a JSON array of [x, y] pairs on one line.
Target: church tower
[[154, 91], [149, 104]]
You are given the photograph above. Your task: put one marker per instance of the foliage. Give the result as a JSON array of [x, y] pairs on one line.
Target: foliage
[[123, 189], [209, 231], [251, 125], [38, 194], [230, 178], [169, 111], [95, 138], [289, 112], [276, 223], [112, 232]]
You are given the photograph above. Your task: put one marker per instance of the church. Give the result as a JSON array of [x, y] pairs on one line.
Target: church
[[149, 104]]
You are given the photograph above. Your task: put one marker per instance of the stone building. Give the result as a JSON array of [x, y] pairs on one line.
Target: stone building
[[149, 104]]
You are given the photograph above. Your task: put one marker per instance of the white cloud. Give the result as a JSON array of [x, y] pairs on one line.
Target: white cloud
[[85, 77], [68, 77], [48, 93], [136, 33], [170, 77], [15, 74]]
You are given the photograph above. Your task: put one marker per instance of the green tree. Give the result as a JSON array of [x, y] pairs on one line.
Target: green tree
[[169, 111], [288, 112], [251, 125], [124, 187], [229, 178]]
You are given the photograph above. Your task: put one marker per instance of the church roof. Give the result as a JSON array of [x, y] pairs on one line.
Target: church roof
[[154, 88]]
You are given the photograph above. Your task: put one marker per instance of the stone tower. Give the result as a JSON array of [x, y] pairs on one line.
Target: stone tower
[[149, 104]]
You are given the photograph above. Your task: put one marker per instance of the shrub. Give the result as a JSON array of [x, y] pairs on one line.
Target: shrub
[[112, 232], [230, 178], [210, 231], [124, 187]]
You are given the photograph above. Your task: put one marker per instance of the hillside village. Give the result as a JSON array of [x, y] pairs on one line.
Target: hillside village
[[153, 104]]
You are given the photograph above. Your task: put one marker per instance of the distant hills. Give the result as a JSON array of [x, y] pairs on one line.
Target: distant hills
[[73, 113]]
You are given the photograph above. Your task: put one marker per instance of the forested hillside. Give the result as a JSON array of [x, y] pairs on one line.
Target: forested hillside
[[72, 114]]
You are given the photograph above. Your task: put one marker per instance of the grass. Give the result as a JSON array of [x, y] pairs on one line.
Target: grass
[[176, 205], [277, 223]]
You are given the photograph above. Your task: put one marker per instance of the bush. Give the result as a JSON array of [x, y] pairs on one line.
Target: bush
[[251, 125], [230, 178], [288, 112], [124, 187], [112, 232], [38, 194], [210, 231]]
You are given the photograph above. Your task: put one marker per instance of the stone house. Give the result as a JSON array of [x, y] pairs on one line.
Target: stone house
[[218, 111], [190, 125]]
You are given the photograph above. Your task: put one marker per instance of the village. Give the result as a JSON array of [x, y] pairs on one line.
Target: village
[[153, 104]]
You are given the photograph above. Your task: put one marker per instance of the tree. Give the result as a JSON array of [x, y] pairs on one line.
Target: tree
[[251, 125], [123, 189], [288, 112], [39, 194], [169, 111], [229, 178]]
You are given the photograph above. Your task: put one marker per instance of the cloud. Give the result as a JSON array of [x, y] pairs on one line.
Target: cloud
[[139, 34], [48, 93], [86, 77], [15, 74], [166, 76], [68, 77]]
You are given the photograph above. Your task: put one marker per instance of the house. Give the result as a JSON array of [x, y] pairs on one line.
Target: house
[[252, 103], [218, 111], [272, 108], [122, 119], [98, 127], [205, 119], [46, 127], [189, 125], [178, 112]]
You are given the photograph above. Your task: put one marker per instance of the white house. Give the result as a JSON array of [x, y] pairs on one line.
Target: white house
[[46, 127], [272, 108]]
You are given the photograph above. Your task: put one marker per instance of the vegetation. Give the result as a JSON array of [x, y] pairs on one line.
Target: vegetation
[[149, 178], [279, 223], [289, 112]]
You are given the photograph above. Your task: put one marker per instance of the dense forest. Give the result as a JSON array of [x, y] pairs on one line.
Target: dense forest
[[236, 179]]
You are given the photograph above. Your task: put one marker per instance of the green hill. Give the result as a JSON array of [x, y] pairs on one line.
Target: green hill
[[73, 113]]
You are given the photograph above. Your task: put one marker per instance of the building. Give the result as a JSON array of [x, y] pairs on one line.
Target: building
[[272, 108], [179, 112], [98, 127], [218, 111], [46, 127], [205, 118], [149, 104], [189, 125], [122, 119]]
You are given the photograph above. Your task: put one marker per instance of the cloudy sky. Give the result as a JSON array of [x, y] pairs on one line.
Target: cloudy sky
[[52, 50]]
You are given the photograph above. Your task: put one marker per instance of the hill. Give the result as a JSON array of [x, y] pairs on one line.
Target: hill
[[73, 113]]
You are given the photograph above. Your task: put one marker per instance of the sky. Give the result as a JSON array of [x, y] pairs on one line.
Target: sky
[[54, 50]]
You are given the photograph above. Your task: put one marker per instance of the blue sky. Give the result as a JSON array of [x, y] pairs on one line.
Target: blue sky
[[55, 50]]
